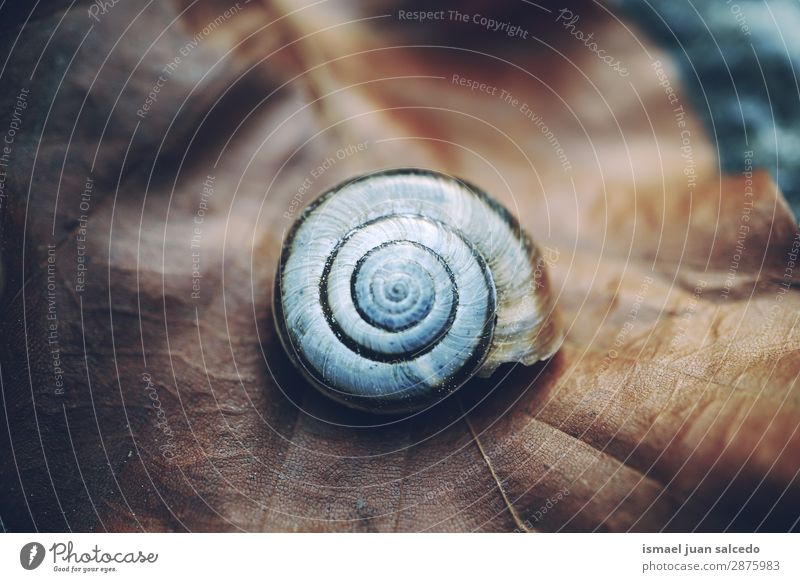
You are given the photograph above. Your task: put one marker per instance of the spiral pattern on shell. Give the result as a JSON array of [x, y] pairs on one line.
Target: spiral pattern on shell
[[395, 288]]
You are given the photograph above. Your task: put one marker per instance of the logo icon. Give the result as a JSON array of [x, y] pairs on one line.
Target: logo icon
[[31, 555]]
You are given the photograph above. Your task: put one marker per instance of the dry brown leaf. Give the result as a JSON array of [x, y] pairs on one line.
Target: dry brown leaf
[[672, 405]]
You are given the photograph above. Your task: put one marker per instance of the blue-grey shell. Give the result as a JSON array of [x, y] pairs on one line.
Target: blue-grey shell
[[395, 288]]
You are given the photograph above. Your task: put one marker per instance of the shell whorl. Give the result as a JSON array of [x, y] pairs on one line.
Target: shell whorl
[[395, 288]]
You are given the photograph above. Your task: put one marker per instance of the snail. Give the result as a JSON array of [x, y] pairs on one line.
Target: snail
[[395, 288]]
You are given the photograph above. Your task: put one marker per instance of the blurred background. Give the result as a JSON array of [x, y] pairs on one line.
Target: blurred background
[[740, 61]]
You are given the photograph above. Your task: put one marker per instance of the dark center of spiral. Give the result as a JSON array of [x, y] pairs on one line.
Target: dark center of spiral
[[398, 291], [393, 286]]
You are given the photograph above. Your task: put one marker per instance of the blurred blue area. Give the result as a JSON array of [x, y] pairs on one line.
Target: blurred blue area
[[741, 63]]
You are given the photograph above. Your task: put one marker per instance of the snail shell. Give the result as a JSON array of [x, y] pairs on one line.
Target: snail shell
[[395, 288]]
